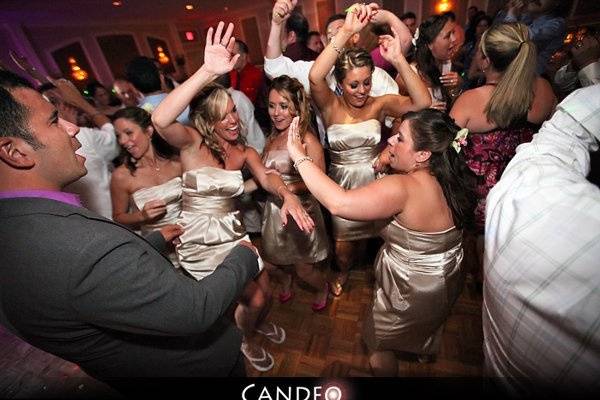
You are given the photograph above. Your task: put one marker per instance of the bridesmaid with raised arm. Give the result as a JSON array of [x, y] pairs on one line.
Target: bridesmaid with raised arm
[[146, 189], [427, 199], [353, 121], [212, 154]]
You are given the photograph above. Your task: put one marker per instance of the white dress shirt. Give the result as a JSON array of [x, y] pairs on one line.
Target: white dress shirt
[[382, 82], [541, 297], [99, 147], [254, 135]]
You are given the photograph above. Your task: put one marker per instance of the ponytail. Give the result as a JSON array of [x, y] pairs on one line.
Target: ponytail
[[512, 53]]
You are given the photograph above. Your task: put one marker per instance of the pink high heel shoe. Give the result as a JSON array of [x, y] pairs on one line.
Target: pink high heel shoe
[[317, 307]]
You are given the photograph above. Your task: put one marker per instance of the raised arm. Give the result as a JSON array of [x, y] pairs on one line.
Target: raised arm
[[419, 97], [403, 33], [281, 12], [356, 19], [72, 96], [218, 59]]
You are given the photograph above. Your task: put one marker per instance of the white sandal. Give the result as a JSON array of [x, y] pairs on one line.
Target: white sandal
[[255, 361], [276, 336]]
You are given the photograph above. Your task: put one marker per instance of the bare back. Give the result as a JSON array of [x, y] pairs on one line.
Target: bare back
[[469, 109]]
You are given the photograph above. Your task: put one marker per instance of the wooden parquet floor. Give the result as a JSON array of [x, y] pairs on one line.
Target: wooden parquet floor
[[325, 344]]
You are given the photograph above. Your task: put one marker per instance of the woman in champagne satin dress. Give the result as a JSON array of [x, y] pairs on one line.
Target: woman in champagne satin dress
[[429, 199], [288, 246], [353, 122], [146, 188], [213, 155]]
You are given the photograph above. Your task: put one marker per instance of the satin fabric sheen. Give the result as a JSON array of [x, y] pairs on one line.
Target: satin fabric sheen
[[170, 193], [286, 245], [212, 224], [418, 278], [352, 151]]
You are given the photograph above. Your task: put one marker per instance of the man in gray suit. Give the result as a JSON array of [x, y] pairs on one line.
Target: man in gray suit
[[89, 290]]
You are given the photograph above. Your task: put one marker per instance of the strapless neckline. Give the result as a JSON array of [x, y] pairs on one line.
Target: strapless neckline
[[357, 123], [170, 181], [235, 171], [453, 227]]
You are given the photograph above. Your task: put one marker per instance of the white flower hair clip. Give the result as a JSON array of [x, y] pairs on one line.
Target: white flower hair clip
[[460, 139], [415, 38]]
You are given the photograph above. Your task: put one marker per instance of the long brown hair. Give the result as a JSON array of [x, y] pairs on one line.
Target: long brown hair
[[294, 92]]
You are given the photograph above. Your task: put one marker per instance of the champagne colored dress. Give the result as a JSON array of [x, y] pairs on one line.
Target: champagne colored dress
[[286, 245], [211, 221], [170, 193], [352, 151], [418, 277]]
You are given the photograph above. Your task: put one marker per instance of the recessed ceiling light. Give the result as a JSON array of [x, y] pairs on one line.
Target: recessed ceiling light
[[117, 3], [189, 7]]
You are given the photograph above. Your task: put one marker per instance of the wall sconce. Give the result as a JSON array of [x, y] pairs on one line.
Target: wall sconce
[[162, 57], [442, 6], [76, 72]]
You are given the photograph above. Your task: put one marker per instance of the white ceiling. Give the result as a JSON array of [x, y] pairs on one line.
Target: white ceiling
[[56, 12]]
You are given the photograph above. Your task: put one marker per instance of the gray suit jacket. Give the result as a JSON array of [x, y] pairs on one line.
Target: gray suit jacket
[[92, 292]]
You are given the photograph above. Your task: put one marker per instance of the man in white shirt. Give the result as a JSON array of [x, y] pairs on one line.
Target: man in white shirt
[[276, 64], [99, 146], [541, 297]]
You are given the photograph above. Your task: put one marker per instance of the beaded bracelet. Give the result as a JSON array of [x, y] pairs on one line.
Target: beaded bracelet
[[337, 49], [301, 160]]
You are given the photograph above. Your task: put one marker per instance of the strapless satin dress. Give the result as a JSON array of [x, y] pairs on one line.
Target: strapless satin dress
[[212, 223], [352, 151], [286, 245], [418, 278], [170, 193]]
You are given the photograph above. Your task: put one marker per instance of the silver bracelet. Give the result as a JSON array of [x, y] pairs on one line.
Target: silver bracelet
[[301, 160], [337, 49]]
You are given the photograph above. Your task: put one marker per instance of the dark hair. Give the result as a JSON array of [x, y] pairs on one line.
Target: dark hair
[[450, 15], [14, 115], [92, 87], [471, 31], [434, 131], [243, 46], [333, 18], [426, 64], [224, 80], [350, 59], [313, 33], [143, 73], [142, 118], [408, 15], [298, 24]]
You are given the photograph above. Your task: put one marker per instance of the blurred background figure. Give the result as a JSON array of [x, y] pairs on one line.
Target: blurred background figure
[[314, 42]]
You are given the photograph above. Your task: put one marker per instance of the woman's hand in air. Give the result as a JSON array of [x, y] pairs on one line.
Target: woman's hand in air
[[218, 52]]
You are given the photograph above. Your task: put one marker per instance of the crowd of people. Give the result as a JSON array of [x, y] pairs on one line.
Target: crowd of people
[[446, 142]]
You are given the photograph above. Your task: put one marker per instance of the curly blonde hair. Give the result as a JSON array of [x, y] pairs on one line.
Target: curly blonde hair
[[293, 91], [207, 109]]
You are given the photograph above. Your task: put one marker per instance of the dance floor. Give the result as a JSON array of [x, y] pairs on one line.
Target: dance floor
[[325, 344]]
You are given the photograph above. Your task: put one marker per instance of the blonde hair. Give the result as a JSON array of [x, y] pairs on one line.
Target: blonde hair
[[511, 53], [294, 93], [207, 109]]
